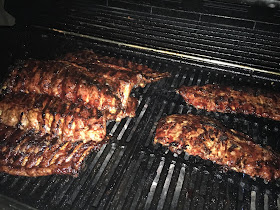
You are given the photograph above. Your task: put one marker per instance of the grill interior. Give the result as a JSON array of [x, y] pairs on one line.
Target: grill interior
[[130, 172], [238, 41]]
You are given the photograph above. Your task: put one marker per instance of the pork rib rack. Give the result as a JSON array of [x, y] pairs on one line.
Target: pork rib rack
[[50, 115], [209, 139], [219, 98], [121, 75], [27, 154], [80, 78], [64, 80]]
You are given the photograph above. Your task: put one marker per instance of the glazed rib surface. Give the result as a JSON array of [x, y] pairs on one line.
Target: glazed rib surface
[[228, 100], [27, 154], [209, 139], [123, 79], [89, 57], [64, 80], [50, 115]]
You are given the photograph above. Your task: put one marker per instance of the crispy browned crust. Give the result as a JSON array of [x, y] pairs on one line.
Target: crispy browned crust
[[208, 139], [84, 77], [113, 70], [50, 115], [27, 154], [64, 80], [225, 99], [129, 111]]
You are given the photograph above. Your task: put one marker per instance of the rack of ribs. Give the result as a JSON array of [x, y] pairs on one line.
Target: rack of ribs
[[106, 88], [27, 154], [89, 57], [53, 113], [207, 138], [121, 78], [64, 80], [50, 115], [228, 100]]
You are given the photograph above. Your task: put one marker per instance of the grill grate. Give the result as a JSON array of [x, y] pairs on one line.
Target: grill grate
[[234, 41], [130, 172]]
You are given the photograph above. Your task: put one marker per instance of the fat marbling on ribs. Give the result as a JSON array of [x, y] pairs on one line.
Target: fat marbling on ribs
[[27, 154], [209, 139], [228, 100], [50, 115]]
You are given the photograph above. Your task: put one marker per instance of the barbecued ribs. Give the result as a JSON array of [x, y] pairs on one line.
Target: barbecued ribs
[[106, 87], [50, 115], [123, 79], [64, 80], [27, 154], [58, 110], [228, 100], [209, 139], [89, 57]]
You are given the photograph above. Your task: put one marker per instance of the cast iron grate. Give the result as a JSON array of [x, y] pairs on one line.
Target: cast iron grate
[[131, 172], [236, 41]]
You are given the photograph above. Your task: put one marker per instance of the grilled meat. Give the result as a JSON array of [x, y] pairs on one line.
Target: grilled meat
[[27, 154], [89, 57], [227, 100], [209, 139], [104, 87], [129, 111], [122, 78], [63, 80], [50, 115]]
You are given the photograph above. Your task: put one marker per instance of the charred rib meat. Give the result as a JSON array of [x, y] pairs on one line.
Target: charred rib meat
[[27, 154], [123, 79], [63, 80], [226, 99], [129, 111], [89, 57], [208, 139], [106, 87], [50, 115]]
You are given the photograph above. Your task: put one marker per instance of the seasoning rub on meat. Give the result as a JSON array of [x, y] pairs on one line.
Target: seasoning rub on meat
[[50, 115], [228, 100], [209, 139]]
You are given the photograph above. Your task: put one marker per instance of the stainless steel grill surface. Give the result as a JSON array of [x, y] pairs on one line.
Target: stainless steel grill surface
[[129, 172]]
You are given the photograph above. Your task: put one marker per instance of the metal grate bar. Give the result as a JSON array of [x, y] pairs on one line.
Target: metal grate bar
[[130, 172], [232, 44]]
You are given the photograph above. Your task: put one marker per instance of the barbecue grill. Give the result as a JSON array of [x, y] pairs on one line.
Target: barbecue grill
[[198, 42]]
